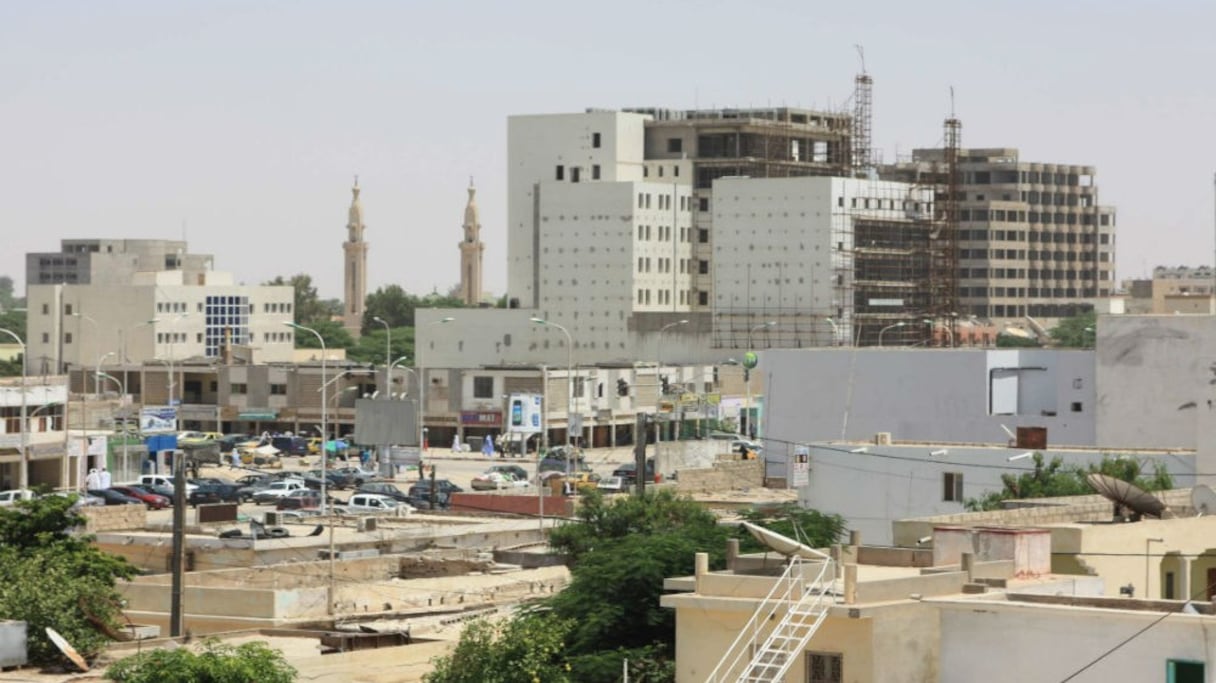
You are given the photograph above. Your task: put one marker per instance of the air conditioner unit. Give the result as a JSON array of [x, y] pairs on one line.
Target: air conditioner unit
[[882, 439], [272, 519]]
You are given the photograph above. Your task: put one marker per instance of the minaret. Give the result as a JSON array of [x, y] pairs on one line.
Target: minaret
[[470, 252], [355, 250]]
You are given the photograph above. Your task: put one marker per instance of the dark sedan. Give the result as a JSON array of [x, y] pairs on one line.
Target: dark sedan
[[154, 501], [209, 492], [112, 497], [420, 493], [384, 489]]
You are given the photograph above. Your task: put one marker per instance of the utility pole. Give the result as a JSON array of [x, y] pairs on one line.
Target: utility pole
[[178, 564], [639, 452]]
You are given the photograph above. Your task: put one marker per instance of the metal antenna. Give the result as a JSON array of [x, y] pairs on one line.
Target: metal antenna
[[861, 54]]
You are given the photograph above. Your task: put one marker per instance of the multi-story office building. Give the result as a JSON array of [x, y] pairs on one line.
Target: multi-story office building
[[1032, 238], [142, 300], [773, 142]]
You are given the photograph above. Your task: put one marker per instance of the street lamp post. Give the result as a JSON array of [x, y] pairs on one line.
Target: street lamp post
[[569, 385], [24, 475], [122, 386], [325, 506], [388, 352], [658, 352], [888, 327], [835, 331], [747, 377]]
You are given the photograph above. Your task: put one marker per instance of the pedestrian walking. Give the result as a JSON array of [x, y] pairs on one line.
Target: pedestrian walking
[[104, 478], [487, 446], [93, 481]]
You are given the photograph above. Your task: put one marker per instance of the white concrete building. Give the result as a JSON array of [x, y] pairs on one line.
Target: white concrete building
[[143, 300], [43, 461]]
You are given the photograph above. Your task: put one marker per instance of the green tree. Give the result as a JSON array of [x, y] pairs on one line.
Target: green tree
[[308, 307], [1054, 479], [15, 322], [391, 304], [51, 577], [7, 300], [599, 520], [524, 649], [1076, 332], [370, 347], [1009, 341], [810, 527], [335, 336], [214, 663]]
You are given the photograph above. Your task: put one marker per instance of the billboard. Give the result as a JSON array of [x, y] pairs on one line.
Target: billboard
[[158, 419], [380, 422], [802, 466], [524, 413]]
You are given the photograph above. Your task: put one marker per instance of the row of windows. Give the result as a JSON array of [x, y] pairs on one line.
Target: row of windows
[[675, 171], [576, 173], [1012, 177], [663, 297], [664, 264], [57, 261], [664, 233], [889, 204], [1024, 292], [1046, 237], [273, 307], [664, 202], [1011, 216], [171, 337], [1032, 273], [276, 336]]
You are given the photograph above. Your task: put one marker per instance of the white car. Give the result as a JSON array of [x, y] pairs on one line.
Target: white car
[[374, 503], [163, 480], [10, 497], [277, 490]]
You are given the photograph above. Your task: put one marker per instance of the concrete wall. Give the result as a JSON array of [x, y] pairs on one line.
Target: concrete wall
[[1154, 376], [723, 476], [114, 518], [906, 481], [924, 395], [997, 642]]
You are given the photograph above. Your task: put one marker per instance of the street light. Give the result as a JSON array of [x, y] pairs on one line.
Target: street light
[[24, 476], [888, 327], [658, 433], [324, 413], [747, 376], [84, 388], [835, 330], [122, 386], [388, 351], [569, 385]]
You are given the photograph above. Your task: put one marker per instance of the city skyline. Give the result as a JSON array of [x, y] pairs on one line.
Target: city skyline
[[239, 126]]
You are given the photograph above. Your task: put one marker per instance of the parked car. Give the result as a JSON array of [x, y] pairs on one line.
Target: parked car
[[10, 497], [555, 460], [82, 499], [419, 494], [290, 445], [277, 490], [253, 483], [163, 480], [493, 480], [198, 437], [372, 503], [383, 489], [112, 497], [304, 499], [154, 501], [629, 472], [214, 492], [513, 470], [357, 475], [611, 485], [335, 480], [151, 488]]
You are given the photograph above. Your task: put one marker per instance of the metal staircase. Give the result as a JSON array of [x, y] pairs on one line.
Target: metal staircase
[[799, 605]]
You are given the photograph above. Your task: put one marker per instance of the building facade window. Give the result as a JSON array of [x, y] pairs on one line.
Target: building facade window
[[824, 667], [240, 388], [278, 389], [952, 487], [226, 319], [483, 387]]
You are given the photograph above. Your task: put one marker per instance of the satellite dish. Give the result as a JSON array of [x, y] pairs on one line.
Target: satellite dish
[[1127, 496], [66, 648], [783, 544], [1203, 499]]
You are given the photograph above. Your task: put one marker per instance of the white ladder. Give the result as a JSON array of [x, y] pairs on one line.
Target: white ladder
[[756, 657]]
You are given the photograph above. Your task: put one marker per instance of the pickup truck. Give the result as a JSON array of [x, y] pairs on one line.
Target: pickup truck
[[374, 503], [277, 490]]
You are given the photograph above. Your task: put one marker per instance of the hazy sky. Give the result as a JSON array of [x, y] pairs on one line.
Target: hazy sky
[[241, 124]]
